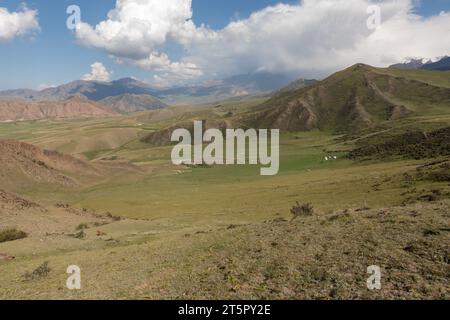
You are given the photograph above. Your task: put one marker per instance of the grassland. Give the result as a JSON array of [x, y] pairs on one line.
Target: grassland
[[222, 232]]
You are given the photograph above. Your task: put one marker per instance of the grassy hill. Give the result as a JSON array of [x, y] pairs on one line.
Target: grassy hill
[[357, 98]]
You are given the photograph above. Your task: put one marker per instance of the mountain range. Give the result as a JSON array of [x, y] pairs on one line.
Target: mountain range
[[442, 64], [246, 85], [128, 103], [350, 100], [129, 95], [93, 90]]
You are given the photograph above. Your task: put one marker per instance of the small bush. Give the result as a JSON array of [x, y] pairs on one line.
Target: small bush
[[82, 226], [42, 271], [80, 235], [302, 210], [11, 235]]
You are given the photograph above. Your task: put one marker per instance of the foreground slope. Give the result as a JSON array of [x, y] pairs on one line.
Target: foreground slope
[[320, 257]]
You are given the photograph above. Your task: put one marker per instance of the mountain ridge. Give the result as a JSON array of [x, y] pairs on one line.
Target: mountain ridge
[[238, 86], [440, 64], [17, 109], [128, 103], [356, 98]]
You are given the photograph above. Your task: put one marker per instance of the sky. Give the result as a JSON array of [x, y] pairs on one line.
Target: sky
[[176, 42]]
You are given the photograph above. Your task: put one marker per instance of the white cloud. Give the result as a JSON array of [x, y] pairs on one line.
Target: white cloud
[[160, 62], [312, 38], [136, 29], [98, 73], [13, 24], [317, 37]]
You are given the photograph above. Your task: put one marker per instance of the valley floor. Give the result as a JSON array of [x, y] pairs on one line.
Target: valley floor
[[141, 228]]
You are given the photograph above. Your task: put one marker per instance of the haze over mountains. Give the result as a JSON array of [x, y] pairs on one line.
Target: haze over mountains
[[128, 103], [93, 90], [237, 86]]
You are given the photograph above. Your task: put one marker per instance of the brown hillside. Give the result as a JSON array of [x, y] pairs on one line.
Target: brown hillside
[[38, 221], [75, 107], [22, 163]]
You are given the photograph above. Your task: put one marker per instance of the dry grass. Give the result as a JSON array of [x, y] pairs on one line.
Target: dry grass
[[40, 272], [324, 256]]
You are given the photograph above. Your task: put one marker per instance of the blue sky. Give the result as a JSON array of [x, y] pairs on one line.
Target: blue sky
[[52, 56]]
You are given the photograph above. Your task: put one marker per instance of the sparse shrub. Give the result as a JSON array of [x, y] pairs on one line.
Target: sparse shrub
[[302, 210], [415, 145], [11, 235], [113, 217], [82, 226], [80, 235], [42, 271], [99, 224]]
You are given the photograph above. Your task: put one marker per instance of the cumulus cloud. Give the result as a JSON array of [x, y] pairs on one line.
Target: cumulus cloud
[[14, 24], [98, 73], [316, 37], [136, 29], [311, 38]]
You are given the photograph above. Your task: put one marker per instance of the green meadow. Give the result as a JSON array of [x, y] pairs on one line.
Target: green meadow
[[198, 231]]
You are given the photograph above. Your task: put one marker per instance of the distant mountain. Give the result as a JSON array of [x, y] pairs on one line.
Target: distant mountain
[[27, 94], [357, 98], [239, 86], [127, 103], [259, 82], [411, 64], [442, 64], [295, 85], [16, 109], [244, 85], [93, 90]]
